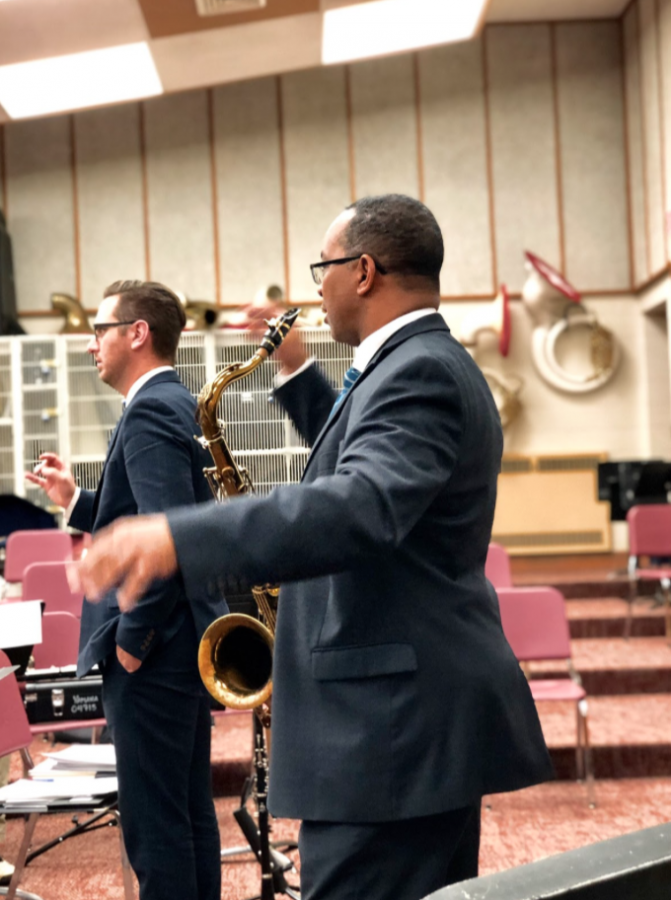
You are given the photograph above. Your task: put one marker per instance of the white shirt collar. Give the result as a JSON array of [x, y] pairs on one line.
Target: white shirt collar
[[143, 379], [370, 345]]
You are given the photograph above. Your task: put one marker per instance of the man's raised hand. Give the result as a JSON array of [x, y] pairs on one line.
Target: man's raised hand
[[55, 479]]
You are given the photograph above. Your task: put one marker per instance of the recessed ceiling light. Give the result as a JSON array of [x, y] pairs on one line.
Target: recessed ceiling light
[[78, 81], [391, 26]]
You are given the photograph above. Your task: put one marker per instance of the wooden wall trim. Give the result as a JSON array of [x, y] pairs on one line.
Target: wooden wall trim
[[558, 154], [283, 185], [490, 165], [3, 171], [145, 189], [75, 209], [662, 136], [653, 279], [417, 78], [644, 143], [351, 155], [627, 160], [215, 195]]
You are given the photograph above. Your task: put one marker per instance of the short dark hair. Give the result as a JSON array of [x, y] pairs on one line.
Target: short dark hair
[[158, 306], [400, 233]]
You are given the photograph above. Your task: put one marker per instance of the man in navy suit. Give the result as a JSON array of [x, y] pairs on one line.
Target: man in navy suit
[[397, 701], [154, 700]]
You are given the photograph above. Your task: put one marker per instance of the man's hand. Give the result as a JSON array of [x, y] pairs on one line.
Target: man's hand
[[291, 352], [130, 663], [55, 479], [129, 555]]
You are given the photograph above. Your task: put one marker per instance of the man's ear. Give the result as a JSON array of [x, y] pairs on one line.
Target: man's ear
[[366, 273], [141, 334]]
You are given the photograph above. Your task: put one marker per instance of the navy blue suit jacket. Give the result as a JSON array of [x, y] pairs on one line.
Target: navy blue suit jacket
[[396, 693], [153, 464]]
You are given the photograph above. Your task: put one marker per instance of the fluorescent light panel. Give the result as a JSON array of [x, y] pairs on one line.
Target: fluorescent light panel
[[392, 26], [78, 81]]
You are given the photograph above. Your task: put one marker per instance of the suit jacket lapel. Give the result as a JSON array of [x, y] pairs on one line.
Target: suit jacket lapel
[[164, 376], [419, 326]]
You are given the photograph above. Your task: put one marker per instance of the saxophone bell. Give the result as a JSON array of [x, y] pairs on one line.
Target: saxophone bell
[[235, 659]]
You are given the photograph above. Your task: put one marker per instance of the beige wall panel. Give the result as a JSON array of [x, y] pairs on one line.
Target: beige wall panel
[[317, 166], [249, 189], [632, 57], [553, 421], [523, 148], [455, 164], [665, 63], [384, 126], [40, 209], [652, 140], [591, 119], [179, 180], [109, 190]]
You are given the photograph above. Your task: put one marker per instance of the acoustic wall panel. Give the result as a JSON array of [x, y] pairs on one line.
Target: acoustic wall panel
[[317, 166], [179, 188], [526, 211], [591, 127], [40, 209], [109, 192], [665, 66], [384, 126], [455, 163], [634, 132], [249, 189], [652, 137]]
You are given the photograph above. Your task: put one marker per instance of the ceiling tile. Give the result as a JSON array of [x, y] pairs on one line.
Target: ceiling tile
[[170, 17], [549, 10], [34, 29], [206, 58]]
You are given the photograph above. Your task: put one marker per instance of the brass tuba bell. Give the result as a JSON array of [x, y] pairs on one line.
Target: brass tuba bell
[[235, 659]]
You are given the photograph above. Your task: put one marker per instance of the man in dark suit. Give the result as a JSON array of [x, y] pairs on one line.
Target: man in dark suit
[[154, 700], [397, 701]]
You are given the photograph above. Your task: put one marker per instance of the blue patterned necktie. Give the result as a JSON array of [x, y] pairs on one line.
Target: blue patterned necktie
[[351, 376]]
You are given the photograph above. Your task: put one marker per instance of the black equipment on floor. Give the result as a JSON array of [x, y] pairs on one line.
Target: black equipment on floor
[[63, 699], [9, 323], [633, 866], [632, 483]]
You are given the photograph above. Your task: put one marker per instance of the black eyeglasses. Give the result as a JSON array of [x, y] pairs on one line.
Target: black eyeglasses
[[100, 328], [319, 269]]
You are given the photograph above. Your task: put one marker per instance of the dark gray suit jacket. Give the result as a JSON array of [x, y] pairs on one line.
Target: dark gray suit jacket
[[395, 691], [153, 464]]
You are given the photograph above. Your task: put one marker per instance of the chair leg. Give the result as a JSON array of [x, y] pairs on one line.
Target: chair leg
[[587, 760], [20, 863], [127, 872], [666, 590]]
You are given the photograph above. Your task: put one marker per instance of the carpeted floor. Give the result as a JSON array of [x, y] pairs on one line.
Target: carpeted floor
[[517, 828]]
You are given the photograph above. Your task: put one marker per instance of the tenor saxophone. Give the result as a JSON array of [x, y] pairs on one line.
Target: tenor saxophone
[[236, 652]]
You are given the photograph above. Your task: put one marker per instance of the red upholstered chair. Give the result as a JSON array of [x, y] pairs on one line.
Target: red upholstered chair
[[16, 735], [497, 566], [48, 581], [535, 624], [27, 547], [60, 641], [649, 536]]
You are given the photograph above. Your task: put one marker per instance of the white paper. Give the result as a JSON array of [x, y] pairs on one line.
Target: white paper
[[7, 670], [26, 791], [86, 756], [20, 624]]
